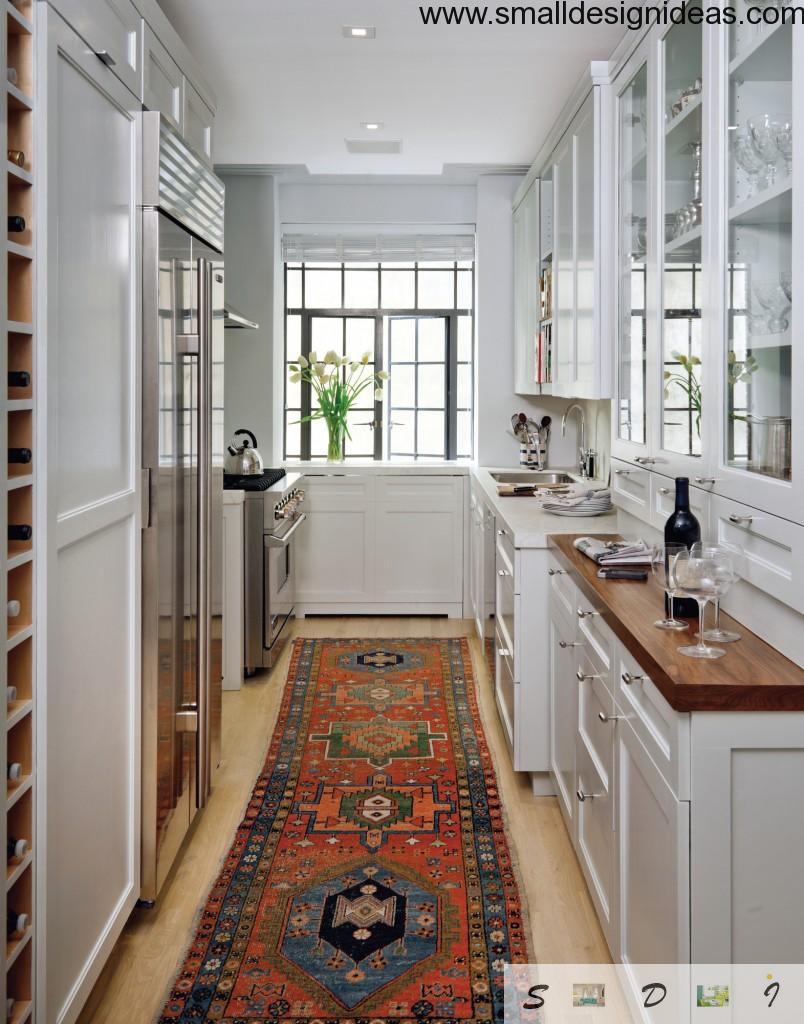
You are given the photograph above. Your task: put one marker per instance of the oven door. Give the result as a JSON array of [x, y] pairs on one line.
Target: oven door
[[280, 580]]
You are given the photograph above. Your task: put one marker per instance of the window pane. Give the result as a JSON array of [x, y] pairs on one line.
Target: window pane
[[402, 433], [322, 289], [359, 338], [464, 339], [464, 386], [432, 337], [430, 434], [318, 438], [431, 387], [293, 394], [362, 442], [403, 385], [293, 333], [436, 289], [398, 289], [326, 332], [465, 289], [361, 288], [403, 340], [678, 289], [293, 434], [293, 298], [464, 435]]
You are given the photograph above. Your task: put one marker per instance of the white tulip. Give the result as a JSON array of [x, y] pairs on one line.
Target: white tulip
[[331, 357], [354, 366], [384, 375], [320, 370], [378, 394], [295, 378], [303, 362], [365, 358], [313, 357], [344, 361]]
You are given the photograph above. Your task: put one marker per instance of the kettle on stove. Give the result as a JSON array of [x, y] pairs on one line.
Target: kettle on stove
[[245, 459]]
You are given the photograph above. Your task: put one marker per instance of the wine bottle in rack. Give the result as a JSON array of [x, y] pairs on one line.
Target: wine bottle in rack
[[682, 528], [13, 608], [13, 771], [19, 531], [11, 694], [19, 379], [16, 849], [13, 77], [16, 157], [16, 224], [10, 1004], [19, 456], [16, 924]]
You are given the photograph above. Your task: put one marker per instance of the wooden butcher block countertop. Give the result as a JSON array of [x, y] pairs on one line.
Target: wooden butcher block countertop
[[753, 676]]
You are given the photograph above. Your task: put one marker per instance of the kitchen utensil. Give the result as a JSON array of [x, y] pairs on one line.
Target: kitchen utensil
[[245, 457]]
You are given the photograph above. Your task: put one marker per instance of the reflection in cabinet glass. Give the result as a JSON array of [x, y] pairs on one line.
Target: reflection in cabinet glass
[[759, 273], [633, 204], [682, 284]]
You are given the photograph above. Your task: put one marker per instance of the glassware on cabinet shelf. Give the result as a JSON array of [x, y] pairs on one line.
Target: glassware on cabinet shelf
[[748, 160], [633, 134], [764, 133], [784, 140], [773, 298]]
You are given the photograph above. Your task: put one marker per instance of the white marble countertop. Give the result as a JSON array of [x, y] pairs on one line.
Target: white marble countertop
[[526, 521]]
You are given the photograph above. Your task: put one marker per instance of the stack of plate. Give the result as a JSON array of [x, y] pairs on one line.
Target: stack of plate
[[597, 503]]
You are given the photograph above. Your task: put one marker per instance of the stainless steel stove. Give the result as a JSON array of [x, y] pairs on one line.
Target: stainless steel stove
[[272, 518]]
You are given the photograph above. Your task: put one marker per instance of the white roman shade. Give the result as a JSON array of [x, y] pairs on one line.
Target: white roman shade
[[370, 248]]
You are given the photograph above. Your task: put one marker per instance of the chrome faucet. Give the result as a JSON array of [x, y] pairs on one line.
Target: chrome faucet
[[583, 453]]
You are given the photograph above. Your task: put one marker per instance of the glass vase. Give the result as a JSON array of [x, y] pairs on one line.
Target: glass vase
[[337, 434]]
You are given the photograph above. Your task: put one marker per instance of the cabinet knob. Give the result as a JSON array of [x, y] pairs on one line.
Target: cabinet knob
[[741, 520], [503, 572], [557, 572], [664, 490], [609, 718], [564, 644], [705, 479], [586, 614], [627, 678], [582, 678], [502, 533]]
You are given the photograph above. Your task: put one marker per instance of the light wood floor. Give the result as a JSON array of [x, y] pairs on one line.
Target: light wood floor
[[136, 979]]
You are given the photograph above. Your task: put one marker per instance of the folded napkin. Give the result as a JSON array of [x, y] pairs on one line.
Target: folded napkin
[[615, 552], [586, 498]]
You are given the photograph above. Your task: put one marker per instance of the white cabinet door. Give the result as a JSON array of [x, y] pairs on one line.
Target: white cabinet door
[[113, 31], [197, 121], [563, 711], [161, 80], [419, 540], [630, 489], [595, 840], [477, 526], [653, 838], [335, 553], [564, 263], [526, 290], [587, 174], [88, 659]]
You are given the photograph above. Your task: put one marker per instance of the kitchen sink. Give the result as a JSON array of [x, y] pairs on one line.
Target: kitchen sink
[[532, 477]]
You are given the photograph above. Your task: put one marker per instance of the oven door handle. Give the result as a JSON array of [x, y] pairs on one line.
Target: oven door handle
[[283, 541]]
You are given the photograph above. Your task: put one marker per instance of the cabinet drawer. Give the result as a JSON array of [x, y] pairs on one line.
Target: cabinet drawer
[[594, 700], [663, 501], [594, 632], [161, 80], [506, 552], [630, 489], [429, 493], [562, 589], [349, 492], [504, 685], [506, 608], [113, 30], [197, 122], [769, 551], [596, 840], [663, 732]]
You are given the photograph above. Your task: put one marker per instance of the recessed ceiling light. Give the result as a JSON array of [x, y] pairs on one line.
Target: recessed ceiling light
[[359, 31], [371, 126]]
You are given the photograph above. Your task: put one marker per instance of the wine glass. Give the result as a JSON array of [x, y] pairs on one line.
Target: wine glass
[[748, 160], [786, 281], [772, 297], [661, 559], [764, 131], [722, 636], [703, 579], [784, 141]]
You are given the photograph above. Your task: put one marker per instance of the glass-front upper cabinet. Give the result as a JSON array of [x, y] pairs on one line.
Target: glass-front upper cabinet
[[764, 103], [681, 279], [632, 120]]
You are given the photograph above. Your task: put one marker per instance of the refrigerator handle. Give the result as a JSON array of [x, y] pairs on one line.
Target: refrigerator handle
[[204, 515]]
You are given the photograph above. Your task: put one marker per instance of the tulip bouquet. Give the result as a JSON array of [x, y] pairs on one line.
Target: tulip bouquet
[[338, 382]]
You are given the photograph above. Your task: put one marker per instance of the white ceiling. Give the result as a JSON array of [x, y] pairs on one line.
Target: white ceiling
[[290, 88]]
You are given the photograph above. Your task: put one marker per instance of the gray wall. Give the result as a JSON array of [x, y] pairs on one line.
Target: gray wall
[[250, 244]]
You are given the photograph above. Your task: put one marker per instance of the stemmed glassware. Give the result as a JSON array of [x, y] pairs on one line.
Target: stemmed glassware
[[764, 132], [661, 560], [773, 297], [719, 636], [702, 577], [784, 142], [748, 160]]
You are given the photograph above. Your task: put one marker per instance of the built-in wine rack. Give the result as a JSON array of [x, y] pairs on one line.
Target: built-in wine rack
[[17, 525]]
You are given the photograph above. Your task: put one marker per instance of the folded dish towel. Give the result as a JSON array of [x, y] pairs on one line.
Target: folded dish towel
[[591, 503], [616, 552]]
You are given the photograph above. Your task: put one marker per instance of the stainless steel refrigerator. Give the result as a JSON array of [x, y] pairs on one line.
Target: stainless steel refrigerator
[[183, 452]]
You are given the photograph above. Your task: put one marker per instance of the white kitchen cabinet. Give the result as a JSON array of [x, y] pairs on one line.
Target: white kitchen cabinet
[[89, 506], [481, 564], [595, 839], [563, 710], [233, 654], [663, 503], [162, 80], [113, 31], [526, 290], [564, 266], [653, 838], [197, 121]]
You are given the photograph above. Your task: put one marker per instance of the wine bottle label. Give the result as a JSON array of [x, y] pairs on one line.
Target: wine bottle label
[[13, 771], [13, 609], [16, 848]]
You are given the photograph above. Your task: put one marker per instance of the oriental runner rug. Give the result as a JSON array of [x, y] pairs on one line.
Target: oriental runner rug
[[371, 880]]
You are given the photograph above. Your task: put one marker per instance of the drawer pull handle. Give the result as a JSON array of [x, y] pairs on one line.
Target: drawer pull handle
[[644, 460], [705, 479], [622, 472], [582, 678], [557, 572], [502, 533], [503, 652], [105, 58], [627, 678], [564, 644], [583, 797], [741, 520], [664, 490], [503, 572], [609, 718], [586, 615]]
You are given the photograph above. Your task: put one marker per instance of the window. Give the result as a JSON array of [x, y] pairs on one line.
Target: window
[[416, 321], [682, 338]]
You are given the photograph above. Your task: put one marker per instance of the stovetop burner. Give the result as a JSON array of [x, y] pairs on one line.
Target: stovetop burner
[[269, 477]]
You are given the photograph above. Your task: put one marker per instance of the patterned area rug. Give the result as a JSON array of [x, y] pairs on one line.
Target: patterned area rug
[[371, 879]]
